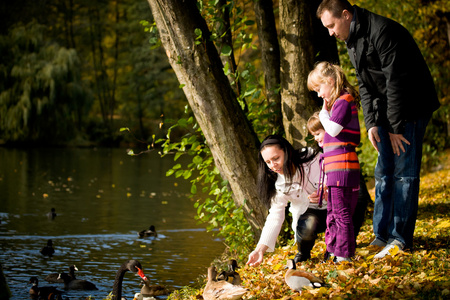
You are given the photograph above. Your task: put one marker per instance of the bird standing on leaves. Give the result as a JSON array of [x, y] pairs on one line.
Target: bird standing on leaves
[[231, 275], [221, 290], [297, 279]]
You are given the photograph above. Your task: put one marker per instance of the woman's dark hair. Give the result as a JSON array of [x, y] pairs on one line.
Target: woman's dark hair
[[293, 161]]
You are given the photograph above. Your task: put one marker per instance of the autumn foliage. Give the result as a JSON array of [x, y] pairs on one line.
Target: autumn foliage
[[422, 273]]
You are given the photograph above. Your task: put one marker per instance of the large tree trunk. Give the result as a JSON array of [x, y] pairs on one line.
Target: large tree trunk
[[233, 144], [270, 59], [297, 52]]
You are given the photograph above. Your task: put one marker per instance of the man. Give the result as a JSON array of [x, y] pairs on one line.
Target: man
[[398, 98]]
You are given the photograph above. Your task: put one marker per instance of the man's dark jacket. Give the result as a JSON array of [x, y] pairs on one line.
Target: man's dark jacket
[[394, 81]]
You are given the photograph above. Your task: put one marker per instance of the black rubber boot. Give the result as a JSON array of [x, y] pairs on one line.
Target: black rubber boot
[[304, 250]]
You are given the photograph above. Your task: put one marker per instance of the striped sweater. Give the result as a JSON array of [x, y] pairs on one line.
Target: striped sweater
[[341, 163]]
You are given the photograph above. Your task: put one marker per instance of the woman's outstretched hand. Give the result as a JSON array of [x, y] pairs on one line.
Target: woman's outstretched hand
[[256, 257]]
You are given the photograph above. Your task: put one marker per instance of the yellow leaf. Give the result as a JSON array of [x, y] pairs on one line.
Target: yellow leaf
[[375, 281], [394, 250], [277, 267], [443, 224]]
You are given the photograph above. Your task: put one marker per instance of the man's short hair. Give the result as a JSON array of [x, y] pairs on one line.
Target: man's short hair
[[335, 7]]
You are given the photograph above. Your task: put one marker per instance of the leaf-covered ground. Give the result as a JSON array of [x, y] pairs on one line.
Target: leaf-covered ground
[[423, 273]]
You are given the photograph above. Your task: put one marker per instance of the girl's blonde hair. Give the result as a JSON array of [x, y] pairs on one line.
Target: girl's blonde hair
[[313, 123], [322, 73]]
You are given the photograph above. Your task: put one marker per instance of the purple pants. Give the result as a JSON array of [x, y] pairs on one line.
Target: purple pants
[[339, 235]]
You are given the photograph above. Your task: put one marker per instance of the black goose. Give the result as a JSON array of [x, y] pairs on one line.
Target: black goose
[[48, 250], [150, 232], [53, 277], [76, 284], [43, 292], [132, 266]]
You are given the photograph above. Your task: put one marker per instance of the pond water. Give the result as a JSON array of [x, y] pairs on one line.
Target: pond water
[[102, 198]]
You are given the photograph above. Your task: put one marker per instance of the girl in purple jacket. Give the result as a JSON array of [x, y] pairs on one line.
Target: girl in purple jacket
[[339, 117]]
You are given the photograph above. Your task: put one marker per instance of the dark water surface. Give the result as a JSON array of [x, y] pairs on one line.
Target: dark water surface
[[102, 198]]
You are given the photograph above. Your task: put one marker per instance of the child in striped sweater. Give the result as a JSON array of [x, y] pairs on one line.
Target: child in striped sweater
[[339, 118]]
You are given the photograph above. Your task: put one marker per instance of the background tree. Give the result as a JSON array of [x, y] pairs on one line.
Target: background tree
[[42, 98]]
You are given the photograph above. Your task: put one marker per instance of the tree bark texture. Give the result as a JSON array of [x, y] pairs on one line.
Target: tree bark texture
[[233, 143], [223, 30], [270, 59], [297, 58]]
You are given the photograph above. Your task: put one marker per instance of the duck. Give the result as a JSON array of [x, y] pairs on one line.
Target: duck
[[139, 296], [76, 284], [132, 266], [297, 279], [44, 292], [48, 250], [52, 214], [231, 275], [149, 290], [150, 232], [221, 290], [53, 277]]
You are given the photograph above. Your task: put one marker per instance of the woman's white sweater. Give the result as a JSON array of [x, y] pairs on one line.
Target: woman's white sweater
[[296, 193]]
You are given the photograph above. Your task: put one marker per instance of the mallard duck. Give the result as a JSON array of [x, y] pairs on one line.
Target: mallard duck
[[231, 275], [221, 290], [149, 290], [150, 232], [297, 279]]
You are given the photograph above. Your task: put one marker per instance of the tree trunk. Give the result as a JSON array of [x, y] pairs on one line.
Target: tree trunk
[[296, 36], [223, 29], [233, 144], [270, 59]]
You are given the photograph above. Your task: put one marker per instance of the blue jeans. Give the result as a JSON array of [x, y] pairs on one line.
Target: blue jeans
[[397, 180]]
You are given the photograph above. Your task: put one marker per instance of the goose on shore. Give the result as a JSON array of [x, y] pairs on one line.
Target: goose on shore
[[231, 275], [221, 290], [297, 279]]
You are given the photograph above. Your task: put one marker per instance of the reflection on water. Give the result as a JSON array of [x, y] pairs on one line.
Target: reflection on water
[[103, 198]]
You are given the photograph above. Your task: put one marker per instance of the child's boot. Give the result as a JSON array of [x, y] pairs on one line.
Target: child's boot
[[304, 250]]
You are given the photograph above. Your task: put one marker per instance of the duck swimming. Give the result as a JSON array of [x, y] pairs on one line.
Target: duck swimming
[[48, 250], [53, 277], [76, 284], [150, 232]]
